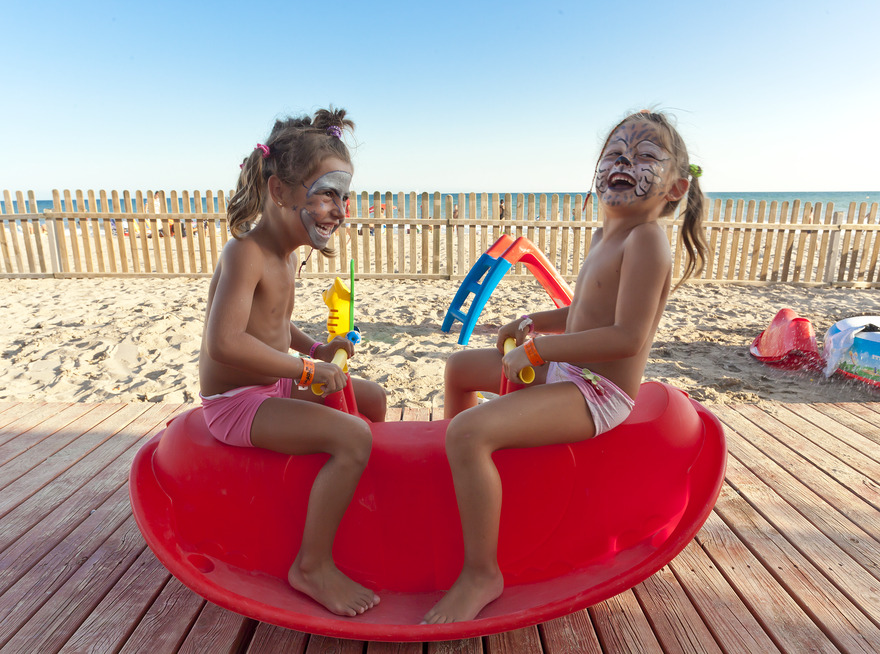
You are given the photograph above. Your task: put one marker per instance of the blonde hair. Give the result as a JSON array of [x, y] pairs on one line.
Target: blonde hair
[[293, 151], [692, 237]]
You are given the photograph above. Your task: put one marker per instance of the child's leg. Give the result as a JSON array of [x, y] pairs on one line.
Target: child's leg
[[371, 399], [540, 415], [467, 372], [296, 427]]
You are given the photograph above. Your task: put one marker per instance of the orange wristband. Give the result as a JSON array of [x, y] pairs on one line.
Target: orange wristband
[[308, 373], [532, 353]]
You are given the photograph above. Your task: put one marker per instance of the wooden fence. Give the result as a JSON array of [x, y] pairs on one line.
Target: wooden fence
[[427, 236]]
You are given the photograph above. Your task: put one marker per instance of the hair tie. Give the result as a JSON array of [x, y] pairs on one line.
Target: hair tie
[[695, 170], [264, 149], [335, 130]]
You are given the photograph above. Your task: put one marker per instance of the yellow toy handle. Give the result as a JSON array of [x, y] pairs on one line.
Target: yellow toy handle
[[527, 374], [340, 359]]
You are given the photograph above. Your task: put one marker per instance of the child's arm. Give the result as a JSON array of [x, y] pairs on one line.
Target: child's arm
[[302, 342], [228, 340], [543, 322], [644, 274]]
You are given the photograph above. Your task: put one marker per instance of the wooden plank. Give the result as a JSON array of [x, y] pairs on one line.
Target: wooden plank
[[217, 630], [269, 639], [36, 450], [771, 455], [38, 555], [790, 483], [674, 620], [829, 445], [872, 271], [77, 440], [21, 417], [469, 646], [51, 615], [785, 275], [394, 648], [108, 626], [570, 634], [12, 411], [623, 627], [167, 622], [838, 618], [724, 611], [519, 641], [783, 619], [328, 645], [21, 435], [838, 566], [35, 528]]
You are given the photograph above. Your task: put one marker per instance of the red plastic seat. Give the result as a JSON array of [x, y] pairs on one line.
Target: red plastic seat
[[580, 523]]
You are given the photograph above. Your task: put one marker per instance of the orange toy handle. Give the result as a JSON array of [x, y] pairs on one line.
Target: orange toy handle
[[527, 374], [340, 359]]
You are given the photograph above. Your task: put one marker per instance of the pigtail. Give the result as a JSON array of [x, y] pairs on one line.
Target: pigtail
[[247, 202], [693, 238]]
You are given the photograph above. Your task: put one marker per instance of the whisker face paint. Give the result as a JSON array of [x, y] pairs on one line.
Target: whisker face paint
[[633, 165], [324, 211]]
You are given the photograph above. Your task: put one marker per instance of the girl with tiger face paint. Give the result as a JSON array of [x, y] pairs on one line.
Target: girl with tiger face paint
[[634, 165], [588, 358]]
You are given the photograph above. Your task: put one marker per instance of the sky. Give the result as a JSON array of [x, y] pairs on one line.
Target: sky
[[447, 96]]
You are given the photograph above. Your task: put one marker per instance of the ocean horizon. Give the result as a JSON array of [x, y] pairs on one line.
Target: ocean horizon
[[840, 199]]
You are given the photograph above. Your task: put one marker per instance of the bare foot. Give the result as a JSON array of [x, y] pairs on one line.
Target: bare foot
[[467, 597], [332, 589]]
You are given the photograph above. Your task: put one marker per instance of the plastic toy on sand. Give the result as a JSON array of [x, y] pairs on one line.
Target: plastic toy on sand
[[789, 342], [852, 349], [580, 523], [485, 274]]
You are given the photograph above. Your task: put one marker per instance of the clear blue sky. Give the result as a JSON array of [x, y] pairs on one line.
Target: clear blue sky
[[448, 96]]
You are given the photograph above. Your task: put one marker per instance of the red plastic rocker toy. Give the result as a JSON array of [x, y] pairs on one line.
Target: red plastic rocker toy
[[580, 522]]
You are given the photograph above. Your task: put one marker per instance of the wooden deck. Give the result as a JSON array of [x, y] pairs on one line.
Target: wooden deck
[[788, 561]]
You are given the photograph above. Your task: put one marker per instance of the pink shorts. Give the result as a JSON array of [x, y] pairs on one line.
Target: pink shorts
[[608, 405], [230, 415]]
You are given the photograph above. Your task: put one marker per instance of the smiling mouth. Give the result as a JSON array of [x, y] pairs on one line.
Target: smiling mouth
[[325, 230], [621, 182]]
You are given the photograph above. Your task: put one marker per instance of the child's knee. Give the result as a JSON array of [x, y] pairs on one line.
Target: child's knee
[[457, 366], [462, 439], [353, 444]]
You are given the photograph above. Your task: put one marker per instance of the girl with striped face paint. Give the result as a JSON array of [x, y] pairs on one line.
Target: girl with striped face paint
[[324, 210], [588, 358], [255, 393]]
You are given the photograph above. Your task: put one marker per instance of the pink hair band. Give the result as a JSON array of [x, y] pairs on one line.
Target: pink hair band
[[264, 149]]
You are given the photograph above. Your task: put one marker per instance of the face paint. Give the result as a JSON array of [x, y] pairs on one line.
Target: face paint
[[633, 165], [324, 211]]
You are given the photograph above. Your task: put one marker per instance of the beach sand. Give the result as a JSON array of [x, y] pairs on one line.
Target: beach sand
[[137, 339]]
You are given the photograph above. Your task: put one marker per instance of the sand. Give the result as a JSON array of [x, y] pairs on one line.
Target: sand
[[137, 339]]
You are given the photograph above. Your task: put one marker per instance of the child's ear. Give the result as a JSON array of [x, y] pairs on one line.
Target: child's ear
[[276, 189], [678, 190]]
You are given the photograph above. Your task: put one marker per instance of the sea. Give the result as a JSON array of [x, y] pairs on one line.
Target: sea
[[841, 201]]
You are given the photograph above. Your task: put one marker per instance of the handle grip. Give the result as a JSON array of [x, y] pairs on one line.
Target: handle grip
[[527, 374], [340, 359]]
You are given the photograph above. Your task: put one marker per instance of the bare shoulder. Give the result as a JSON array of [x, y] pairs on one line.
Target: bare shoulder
[[648, 238]]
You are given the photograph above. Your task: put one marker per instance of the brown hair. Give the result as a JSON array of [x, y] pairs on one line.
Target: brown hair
[[692, 237], [296, 146]]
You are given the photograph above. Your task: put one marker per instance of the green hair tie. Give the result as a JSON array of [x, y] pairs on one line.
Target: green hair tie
[[695, 170]]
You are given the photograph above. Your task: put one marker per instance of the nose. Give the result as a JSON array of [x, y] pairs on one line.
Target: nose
[[623, 160]]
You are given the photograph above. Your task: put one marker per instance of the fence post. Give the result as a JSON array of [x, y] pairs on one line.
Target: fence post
[[54, 254], [832, 260]]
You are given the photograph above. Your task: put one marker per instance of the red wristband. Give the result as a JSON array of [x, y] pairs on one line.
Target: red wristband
[[308, 373], [532, 353], [314, 348]]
